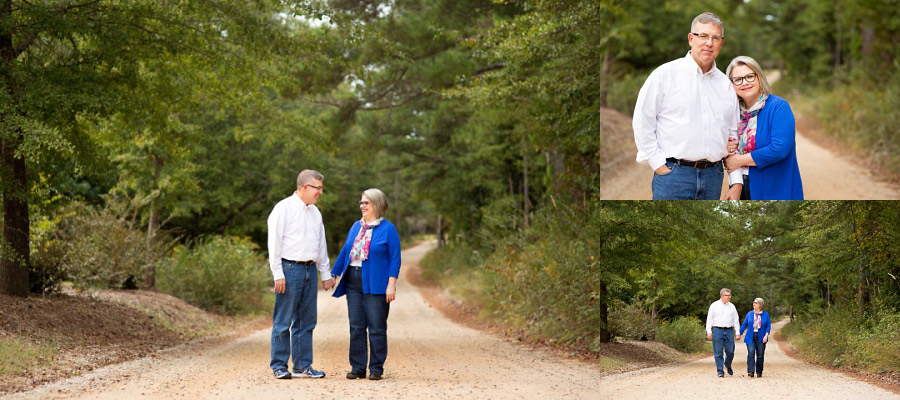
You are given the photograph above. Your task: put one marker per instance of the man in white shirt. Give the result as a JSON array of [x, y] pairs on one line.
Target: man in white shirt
[[684, 115], [297, 249], [721, 326]]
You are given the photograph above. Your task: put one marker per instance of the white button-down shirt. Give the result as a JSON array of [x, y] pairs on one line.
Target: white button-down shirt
[[296, 233], [722, 315], [684, 113]]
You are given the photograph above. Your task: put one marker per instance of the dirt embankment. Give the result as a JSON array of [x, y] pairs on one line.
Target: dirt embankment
[[92, 330]]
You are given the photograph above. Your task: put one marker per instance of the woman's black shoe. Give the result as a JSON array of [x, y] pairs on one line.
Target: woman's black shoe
[[374, 376], [356, 374]]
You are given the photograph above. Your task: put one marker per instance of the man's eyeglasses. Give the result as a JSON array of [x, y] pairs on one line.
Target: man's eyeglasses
[[314, 186], [704, 37], [739, 80]]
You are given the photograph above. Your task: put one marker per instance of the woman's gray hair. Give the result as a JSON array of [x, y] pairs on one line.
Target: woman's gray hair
[[307, 176], [749, 62], [378, 201], [762, 303], [708, 18]]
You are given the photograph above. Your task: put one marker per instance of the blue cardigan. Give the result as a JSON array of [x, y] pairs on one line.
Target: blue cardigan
[[765, 326], [776, 175], [383, 261]]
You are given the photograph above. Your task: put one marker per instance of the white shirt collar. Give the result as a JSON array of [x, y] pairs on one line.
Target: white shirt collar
[[696, 67]]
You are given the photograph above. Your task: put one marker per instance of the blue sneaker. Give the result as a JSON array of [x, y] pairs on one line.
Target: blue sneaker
[[282, 374], [308, 373]]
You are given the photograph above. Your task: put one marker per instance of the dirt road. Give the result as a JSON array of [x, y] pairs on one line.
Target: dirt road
[[826, 176], [433, 358]]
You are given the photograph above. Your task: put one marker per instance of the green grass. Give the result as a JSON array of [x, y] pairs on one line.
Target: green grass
[[18, 355]]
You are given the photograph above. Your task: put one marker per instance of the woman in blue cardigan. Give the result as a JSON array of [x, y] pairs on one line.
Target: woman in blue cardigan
[[766, 150], [371, 259], [758, 321]]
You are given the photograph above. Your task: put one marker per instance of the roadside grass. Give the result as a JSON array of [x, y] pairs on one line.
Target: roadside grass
[[846, 339], [18, 355], [464, 273], [857, 116]]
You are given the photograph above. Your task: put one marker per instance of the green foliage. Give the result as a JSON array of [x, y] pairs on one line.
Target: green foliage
[[842, 337], [48, 257], [863, 114], [221, 274], [623, 92], [683, 333], [92, 247], [631, 321], [454, 258]]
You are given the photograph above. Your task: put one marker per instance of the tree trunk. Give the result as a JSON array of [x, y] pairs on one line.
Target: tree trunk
[[15, 262], [603, 312], [149, 280], [525, 201], [604, 77], [14, 247], [837, 39], [439, 232]]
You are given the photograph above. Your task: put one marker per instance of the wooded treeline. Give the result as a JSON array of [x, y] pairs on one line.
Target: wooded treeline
[[479, 118], [635, 269]]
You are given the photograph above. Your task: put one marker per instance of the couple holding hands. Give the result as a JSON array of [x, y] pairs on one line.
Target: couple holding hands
[[692, 123], [369, 262]]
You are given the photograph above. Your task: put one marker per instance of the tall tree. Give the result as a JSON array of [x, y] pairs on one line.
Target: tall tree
[[65, 62]]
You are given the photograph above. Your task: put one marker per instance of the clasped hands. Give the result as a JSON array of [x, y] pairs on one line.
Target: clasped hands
[[327, 284]]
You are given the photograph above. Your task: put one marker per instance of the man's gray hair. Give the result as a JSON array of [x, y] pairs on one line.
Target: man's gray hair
[[379, 201], [708, 18], [762, 303], [308, 175], [723, 291], [749, 62]]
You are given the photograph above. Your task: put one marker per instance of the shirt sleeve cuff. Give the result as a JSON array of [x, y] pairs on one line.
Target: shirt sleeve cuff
[[735, 177], [278, 275], [656, 161]]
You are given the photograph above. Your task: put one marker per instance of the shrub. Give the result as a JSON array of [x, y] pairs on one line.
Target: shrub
[[94, 247], [842, 337], [630, 321], [623, 92], [221, 274], [48, 256], [683, 333]]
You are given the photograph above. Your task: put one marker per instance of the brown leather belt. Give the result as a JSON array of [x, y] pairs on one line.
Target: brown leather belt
[[310, 262], [702, 164]]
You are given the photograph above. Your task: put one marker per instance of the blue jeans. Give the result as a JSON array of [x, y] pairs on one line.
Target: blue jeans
[[756, 354], [366, 312], [294, 317], [689, 183], [723, 339]]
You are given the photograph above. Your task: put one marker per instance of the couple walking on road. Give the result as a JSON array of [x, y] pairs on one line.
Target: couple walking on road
[[722, 322], [692, 122], [369, 262]]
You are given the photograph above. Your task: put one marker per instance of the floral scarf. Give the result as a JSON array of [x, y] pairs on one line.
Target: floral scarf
[[757, 321], [747, 127], [360, 251]]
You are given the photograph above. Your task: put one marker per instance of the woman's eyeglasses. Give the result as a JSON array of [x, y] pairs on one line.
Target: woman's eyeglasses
[[739, 80]]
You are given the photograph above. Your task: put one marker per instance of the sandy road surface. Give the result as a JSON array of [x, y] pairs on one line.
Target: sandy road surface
[[434, 358], [826, 176]]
